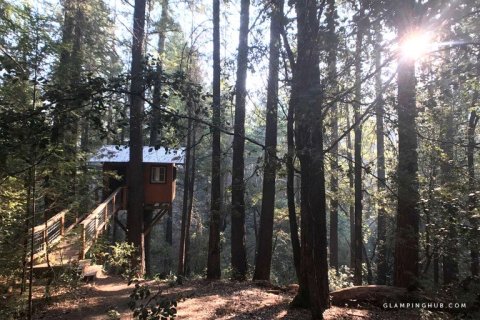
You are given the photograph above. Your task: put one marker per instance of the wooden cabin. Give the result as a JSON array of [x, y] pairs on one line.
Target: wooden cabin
[[159, 171]]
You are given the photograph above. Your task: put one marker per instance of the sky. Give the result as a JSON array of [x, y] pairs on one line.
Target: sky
[[196, 23]]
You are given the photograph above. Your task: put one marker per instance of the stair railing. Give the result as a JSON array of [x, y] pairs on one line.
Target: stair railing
[[96, 222]]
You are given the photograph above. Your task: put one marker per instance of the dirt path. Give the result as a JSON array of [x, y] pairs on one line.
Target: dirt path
[[91, 301], [222, 300]]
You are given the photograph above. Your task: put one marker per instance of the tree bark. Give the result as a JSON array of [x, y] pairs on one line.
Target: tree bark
[[406, 235], [186, 197], [381, 180], [332, 76], [474, 254], [213, 262], [238, 249], [290, 165], [135, 181], [351, 208], [264, 254], [450, 263], [306, 97], [191, 187], [357, 277], [157, 88]]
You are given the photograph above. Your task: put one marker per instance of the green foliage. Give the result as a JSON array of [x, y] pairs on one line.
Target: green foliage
[[120, 260], [70, 277], [341, 279], [100, 251], [13, 308], [12, 227], [151, 307]]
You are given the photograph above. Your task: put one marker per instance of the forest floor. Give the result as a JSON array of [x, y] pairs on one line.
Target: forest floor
[[199, 299]]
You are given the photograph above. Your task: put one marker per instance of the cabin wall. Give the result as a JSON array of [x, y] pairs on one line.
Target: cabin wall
[[153, 192], [158, 192]]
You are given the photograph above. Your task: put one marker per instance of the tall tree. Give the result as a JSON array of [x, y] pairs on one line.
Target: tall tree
[[187, 195], [472, 124], [351, 185], [264, 254], [332, 79], [157, 89], [239, 252], [155, 125], [381, 212], [213, 263], [306, 97], [190, 189], [450, 264], [135, 181], [65, 131], [358, 243], [301, 299], [406, 235]]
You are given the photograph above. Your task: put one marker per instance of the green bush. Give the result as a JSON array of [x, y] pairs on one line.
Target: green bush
[[120, 260], [341, 279]]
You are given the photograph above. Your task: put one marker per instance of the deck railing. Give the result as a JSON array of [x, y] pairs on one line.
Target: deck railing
[[46, 235], [49, 233], [96, 222]]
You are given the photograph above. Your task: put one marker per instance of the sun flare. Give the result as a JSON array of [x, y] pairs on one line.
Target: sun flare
[[415, 45]]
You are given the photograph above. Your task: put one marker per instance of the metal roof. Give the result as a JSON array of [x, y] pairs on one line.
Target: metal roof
[[119, 153]]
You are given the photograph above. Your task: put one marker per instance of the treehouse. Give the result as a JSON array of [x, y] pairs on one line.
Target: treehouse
[[159, 171]]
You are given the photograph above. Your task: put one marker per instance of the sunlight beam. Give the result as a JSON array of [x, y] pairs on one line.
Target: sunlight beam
[[415, 45]]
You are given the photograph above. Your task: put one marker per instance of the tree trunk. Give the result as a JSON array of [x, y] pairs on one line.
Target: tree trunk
[[406, 235], [351, 208], [332, 76], [238, 249], [264, 254], [290, 165], [148, 215], [305, 97], [450, 263], [213, 262], [358, 243], [157, 88], [169, 240], [191, 187], [474, 254], [186, 196], [135, 181], [381, 212]]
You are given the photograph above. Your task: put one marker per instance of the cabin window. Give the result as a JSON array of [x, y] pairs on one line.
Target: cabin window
[[158, 175]]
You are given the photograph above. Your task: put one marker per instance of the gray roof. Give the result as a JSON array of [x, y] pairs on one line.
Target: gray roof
[[118, 153]]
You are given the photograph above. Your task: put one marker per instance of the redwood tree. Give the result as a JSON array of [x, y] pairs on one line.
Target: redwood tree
[[406, 235], [135, 181], [381, 212], [332, 76], [474, 254], [264, 254], [306, 96], [238, 249], [358, 243], [213, 262]]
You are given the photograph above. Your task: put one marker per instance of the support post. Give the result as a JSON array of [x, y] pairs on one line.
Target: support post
[[62, 225], [96, 226], [45, 241], [82, 249], [124, 199], [105, 217]]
